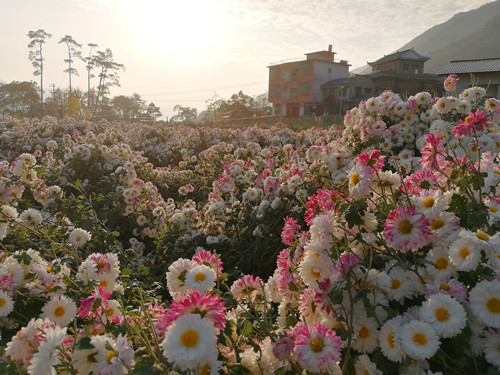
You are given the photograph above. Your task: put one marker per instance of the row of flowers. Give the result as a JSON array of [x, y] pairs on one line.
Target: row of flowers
[[369, 248]]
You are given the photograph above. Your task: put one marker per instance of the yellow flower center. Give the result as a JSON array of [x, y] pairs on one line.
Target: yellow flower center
[[111, 354], [442, 315], [190, 338], [3, 302], [205, 370], [441, 263], [444, 286], [395, 284], [199, 277], [101, 264], [317, 344], [493, 305], [316, 272], [354, 179], [49, 270], [493, 209], [59, 311], [103, 283], [463, 252], [482, 236], [428, 202], [110, 312], [437, 224], [364, 332], [405, 227], [78, 238], [390, 340], [420, 339]]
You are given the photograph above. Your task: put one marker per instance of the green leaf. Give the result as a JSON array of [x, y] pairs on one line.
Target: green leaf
[[84, 343]]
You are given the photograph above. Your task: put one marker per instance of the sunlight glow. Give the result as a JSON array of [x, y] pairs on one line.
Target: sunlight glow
[[167, 29]]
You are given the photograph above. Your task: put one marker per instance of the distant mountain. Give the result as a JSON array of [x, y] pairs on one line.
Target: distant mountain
[[469, 35]]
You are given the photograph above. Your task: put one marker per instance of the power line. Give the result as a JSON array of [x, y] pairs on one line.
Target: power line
[[206, 90]]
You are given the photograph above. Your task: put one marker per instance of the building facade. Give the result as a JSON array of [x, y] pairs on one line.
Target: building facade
[[478, 72], [295, 86], [401, 72]]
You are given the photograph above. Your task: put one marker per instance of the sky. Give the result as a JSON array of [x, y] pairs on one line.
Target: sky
[[187, 51]]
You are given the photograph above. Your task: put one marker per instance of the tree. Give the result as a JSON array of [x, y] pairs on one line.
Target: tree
[[36, 56], [90, 59], [19, 99], [184, 114], [73, 52], [128, 108], [108, 75], [153, 112]]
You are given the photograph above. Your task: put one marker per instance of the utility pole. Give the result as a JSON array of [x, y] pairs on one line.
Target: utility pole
[[53, 92]]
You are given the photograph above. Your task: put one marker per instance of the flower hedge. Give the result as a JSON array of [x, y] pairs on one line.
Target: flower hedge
[[367, 248]]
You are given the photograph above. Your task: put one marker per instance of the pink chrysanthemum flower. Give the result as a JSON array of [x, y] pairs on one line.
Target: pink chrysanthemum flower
[[373, 159], [407, 230], [289, 229], [95, 305], [283, 346], [209, 259], [290, 286], [345, 263], [248, 288], [317, 347], [431, 158], [475, 122], [451, 287], [207, 305], [450, 83]]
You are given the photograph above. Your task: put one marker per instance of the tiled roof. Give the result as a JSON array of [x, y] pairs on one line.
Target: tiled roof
[[471, 66], [390, 73], [336, 82], [411, 53]]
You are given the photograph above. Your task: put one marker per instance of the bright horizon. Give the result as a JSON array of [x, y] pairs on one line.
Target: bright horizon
[[184, 52]]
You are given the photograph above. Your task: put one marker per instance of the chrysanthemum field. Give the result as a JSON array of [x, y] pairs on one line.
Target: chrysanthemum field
[[370, 247]]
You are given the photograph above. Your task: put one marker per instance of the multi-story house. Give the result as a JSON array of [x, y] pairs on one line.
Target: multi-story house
[[295, 85], [401, 72]]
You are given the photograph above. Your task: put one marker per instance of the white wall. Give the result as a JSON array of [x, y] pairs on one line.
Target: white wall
[[322, 76]]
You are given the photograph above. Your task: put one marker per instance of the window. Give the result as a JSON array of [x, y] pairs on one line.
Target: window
[[304, 88], [294, 74], [368, 90], [293, 93], [274, 91], [305, 69], [358, 90], [274, 73], [415, 69], [406, 68]]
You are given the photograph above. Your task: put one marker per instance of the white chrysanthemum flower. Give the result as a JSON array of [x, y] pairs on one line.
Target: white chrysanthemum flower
[[360, 181], [419, 340], [201, 278], [79, 237], [314, 267], [390, 340], [176, 275], [430, 202], [484, 301], [447, 315], [492, 348], [60, 309], [6, 303], [465, 254], [14, 270], [83, 360], [403, 284], [440, 266], [46, 357], [31, 217], [364, 366], [190, 341], [9, 211], [115, 361], [366, 339]]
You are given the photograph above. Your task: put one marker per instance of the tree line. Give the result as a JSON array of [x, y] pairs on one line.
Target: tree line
[[25, 98]]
